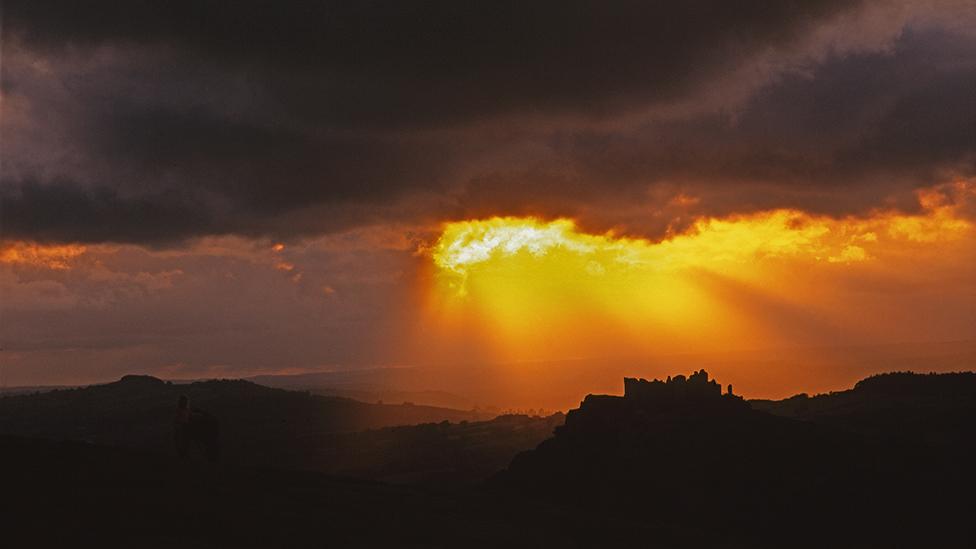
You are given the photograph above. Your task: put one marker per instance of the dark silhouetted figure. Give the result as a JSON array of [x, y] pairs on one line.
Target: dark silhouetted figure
[[193, 426], [730, 389]]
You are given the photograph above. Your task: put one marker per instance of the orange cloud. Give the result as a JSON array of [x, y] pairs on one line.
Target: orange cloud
[[716, 243], [539, 287], [56, 257]]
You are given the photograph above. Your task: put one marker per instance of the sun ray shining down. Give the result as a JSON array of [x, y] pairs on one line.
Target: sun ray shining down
[[536, 281]]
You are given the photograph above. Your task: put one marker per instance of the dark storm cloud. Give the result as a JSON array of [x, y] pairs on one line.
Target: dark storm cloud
[[911, 111], [263, 167], [153, 121], [58, 211], [392, 62], [859, 132]]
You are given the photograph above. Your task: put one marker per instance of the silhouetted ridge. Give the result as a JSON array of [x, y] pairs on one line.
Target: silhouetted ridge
[[134, 379], [911, 383], [257, 424], [937, 410], [680, 452]]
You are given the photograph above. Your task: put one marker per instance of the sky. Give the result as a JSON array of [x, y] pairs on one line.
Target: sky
[[200, 189]]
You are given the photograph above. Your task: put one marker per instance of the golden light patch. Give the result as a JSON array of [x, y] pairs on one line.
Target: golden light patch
[[715, 243], [56, 257], [533, 283]]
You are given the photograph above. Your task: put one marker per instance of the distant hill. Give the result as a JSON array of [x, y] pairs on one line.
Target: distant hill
[[258, 424], [839, 472], [935, 409], [29, 390], [366, 385]]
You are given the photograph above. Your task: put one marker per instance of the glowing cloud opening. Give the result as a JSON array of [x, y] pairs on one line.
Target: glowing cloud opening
[[711, 242], [539, 285]]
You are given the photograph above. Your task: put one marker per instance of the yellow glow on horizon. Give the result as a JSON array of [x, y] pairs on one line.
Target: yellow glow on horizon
[[535, 283]]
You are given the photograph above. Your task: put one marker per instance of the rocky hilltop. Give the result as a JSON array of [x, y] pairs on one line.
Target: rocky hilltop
[[643, 399], [682, 452]]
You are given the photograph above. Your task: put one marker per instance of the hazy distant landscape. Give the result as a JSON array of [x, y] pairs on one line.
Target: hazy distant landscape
[[561, 384], [551, 385], [617, 468]]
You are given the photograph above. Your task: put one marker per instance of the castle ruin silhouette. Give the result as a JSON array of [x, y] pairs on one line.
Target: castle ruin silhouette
[[697, 386]]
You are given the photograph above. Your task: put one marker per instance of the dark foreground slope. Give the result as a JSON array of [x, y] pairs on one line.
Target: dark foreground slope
[[69, 494], [258, 424], [433, 453], [683, 455], [62, 494], [667, 465]]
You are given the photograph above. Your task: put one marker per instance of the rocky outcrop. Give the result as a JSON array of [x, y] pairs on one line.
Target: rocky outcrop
[[646, 403], [680, 448], [696, 387]]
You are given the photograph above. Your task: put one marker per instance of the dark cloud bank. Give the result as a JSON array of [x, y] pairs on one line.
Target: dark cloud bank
[[153, 122]]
